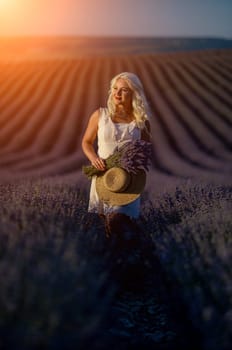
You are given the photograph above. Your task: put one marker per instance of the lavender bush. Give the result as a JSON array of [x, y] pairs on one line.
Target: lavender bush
[[56, 290], [52, 291], [192, 230]]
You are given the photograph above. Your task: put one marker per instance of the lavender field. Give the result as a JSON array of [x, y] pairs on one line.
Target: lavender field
[[58, 274]]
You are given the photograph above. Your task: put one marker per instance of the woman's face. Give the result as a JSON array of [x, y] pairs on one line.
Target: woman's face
[[122, 94]]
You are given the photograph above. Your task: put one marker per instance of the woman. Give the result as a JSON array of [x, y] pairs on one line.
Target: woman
[[126, 118]]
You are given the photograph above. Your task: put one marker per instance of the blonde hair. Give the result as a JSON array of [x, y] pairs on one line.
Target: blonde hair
[[141, 110]]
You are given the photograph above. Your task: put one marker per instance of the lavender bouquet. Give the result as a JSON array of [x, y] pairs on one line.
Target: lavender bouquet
[[132, 156]]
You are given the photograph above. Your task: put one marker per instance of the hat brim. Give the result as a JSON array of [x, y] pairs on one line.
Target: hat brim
[[132, 192]]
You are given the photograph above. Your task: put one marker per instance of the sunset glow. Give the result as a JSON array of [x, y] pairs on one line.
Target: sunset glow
[[37, 17], [11, 16], [7, 5], [3, 3], [10, 6], [120, 18]]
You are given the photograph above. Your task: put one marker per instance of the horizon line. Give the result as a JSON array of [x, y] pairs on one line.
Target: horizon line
[[115, 36]]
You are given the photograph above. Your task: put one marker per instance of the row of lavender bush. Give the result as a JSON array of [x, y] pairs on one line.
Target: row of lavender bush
[[192, 231], [55, 288]]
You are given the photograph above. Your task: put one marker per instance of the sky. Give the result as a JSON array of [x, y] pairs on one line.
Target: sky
[[185, 18]]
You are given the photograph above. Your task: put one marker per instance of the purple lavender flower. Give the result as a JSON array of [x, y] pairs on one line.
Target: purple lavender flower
[[132, 156], [136, 155]]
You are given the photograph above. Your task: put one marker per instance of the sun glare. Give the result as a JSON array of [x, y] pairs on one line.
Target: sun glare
[[5, 4], [13, 14], [7, 7]]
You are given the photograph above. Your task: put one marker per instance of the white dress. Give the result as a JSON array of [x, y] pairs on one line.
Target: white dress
[[110, 135]]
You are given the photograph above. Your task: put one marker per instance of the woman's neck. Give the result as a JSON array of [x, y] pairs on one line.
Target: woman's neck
[[124, 113], [119, 117]]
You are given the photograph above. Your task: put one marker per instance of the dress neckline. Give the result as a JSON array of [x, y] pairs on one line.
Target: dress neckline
[[118, 123]]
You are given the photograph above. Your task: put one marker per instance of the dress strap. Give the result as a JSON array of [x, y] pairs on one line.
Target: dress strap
[[103, 114]]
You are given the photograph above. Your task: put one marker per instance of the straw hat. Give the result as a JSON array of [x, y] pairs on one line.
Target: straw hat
[[118, 187]]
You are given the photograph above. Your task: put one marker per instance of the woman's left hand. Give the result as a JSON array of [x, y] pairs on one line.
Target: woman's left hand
[[99, 163]]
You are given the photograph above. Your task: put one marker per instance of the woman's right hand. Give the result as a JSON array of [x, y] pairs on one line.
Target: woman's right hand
[[98, 163]]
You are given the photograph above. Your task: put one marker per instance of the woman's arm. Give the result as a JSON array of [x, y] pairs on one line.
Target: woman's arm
[[88, 142]]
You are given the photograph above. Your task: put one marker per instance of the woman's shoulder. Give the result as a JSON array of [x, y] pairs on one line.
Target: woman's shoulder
[[95, 115], [103, 113], [100, 114]]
